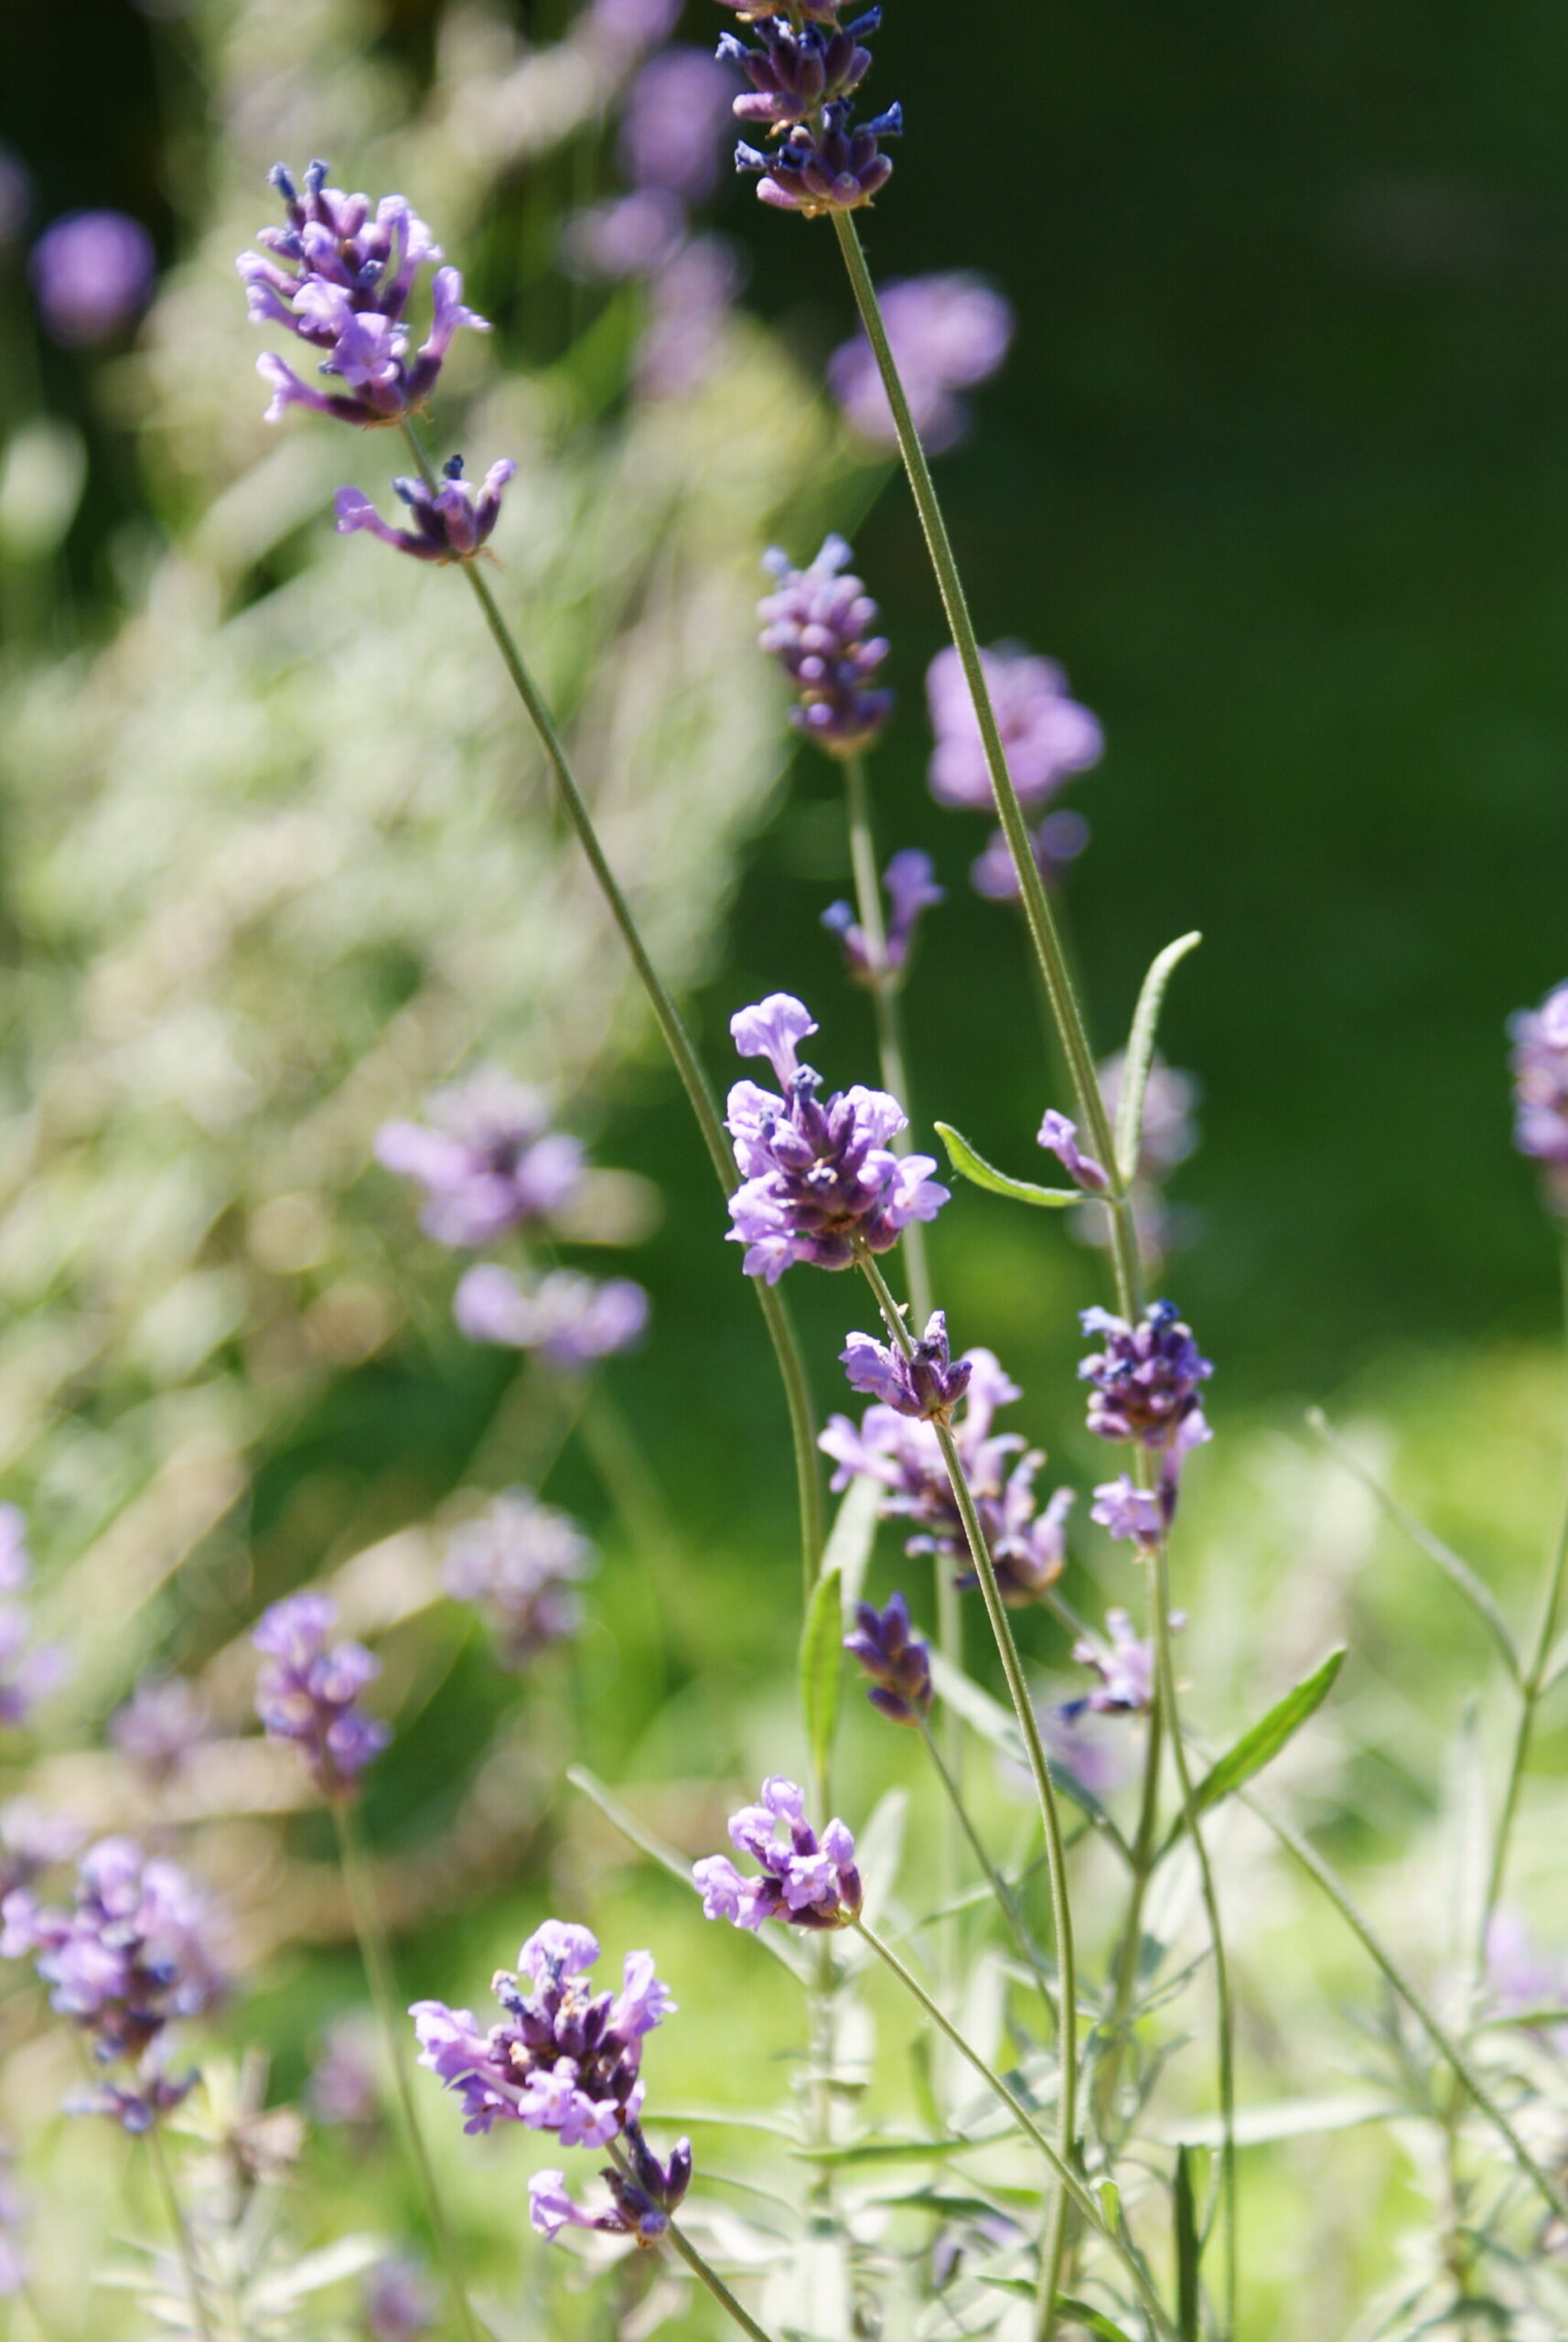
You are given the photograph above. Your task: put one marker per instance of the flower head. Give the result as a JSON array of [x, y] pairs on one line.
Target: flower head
[[820, 1182], [91, 273], [1131, 1512], [398, 2302], [1046, 736], [895, 1660], [486, 1159], [519, 1564], [818, 623], [1125, 1669], [1058, 1136], [639, 2206], [308, 1688], [949, 333], [910, 881], [161, 1726], [1147, 1380], [568, 1317], [806, 1881], [1539, 1038], [926, 1383], [342, 281], [838, 167], [1056, 842], [799, 70], [452, 522]]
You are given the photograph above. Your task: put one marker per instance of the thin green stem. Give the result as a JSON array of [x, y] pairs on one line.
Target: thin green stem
[[1119, 2028], [1069, 2180], [376, 1954], [697, 2265], [1028, 1724], [184, 2245], [1048, 951], [1005, 1900], [694, 1079]]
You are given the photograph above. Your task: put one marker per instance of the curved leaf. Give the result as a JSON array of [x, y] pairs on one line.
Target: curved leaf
[[1140, 1053], [1259, 1747], [975, 1168], [821, 1666]]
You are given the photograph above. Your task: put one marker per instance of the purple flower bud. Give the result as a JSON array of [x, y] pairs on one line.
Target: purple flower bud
[[1147, 1380], [519, 1564], [895, 1658], [91, 273], [688, 302], [1126, 1670], [910, 879], [806, 1882], [398, 2302], [1057, 842], [675, 112], [1058, 1136], [640, 2207], [452, 522], [487, 1160], [818, 624], [162, 1725], [1540, 1036], [568, 1319], [1135, 1513], [308, 1692], [796, 72], [949, 333], [837, 167], [1046, 736], [927, 1382]]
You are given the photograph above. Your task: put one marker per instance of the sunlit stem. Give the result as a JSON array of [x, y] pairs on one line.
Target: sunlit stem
[[694, 1079], [699, 2267], [1119, 2025], [1067, 2179], [1039, 1770], [376, 1954], [184, 2245], [1006, 1901]]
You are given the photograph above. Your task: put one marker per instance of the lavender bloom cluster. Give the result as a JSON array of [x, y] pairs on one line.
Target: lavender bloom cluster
[[909, 881], [1125, 1669], [398, 2302], [1027, 1545], [926, 1383], [949, 332], [895, 1660], [131, 1955], [28, 1670], [820, 1183], [1046, 736], [1148, 1382], [570, 1319], [487, 1160], [1539, 1037], [452, 522], [806, 1881], [161, 1726], [341, 282], [802, 79], [308, 1689], [818, 623], [91, 273], [519, 1564]]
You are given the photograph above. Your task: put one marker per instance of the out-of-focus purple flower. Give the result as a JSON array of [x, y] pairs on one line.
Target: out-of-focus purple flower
[[1046, 736], [628, 26], [1170, 1098], [308, 1688], [929, 1383], [32, 1841], [91, 273], [342, 2090], [16, 1561], [682, 343], [13, 2220], [675, 112], [30, 1672], [1521, 1977], [949, 333], [452, 522], [797, 71], [1125, 1667], [486, 1159], [133, 1954], [1128, 1511], [835, 167], [398, 2302], [1027, 1546], [15, 197], [1147, 1380], [1539, 1037], [818, 624], [640, 2206], [805, 1881], [625, 236], [519, 1564], [564, 2057], [1059, 1136], [569, 1319], [910, 881], [162, 1725], [820, 1182], [897, 1660], [342, 281], [1057, 842]]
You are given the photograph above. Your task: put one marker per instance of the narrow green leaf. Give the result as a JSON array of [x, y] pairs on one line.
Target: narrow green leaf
[[821, 1666], [1140, 1054], [1259, 1747], [999, 1726], [1085, 2314], [862, 2153], [852, 1537], [972, 1166], [1184, 2228], [1021, 2287]]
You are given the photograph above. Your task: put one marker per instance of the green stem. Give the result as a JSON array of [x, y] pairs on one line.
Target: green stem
[[694, 1080], [699, 2267], [1028, 1724], [1067, 2178], [1054, 967], [1005, 1900], [182, 2237], [376, 1954], [1119, 2025]]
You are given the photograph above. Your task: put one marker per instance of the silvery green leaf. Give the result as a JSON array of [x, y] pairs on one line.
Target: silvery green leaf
[[1140, 1053], [974, 1167]]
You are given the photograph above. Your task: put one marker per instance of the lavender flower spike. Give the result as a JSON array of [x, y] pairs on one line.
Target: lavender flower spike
[[895, 1658], [928, 1383], [820, 1183], [838, 167], [1058, 1136], [568, 1319], [519, 1564], [818, 623], [1129, 1512], [1126, 1669], [486, 1159], [1048, 737], [910, 881], [1540, 1036], [641, 2205], [453, 523], [805, 1881], [1147, 1380], [796, 72], [308, 1692]]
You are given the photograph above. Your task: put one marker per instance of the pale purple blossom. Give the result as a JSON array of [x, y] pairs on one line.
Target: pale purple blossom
[[161, 1726], [627, 27], [625, 236], [688, 300], [1124, 1665], [910, 883], [398, 2302], [308, 1689], [819, 624], [806, 1881], [1056, 842], [895, 1660], [1539, 1037], [1059, 1136], [929, 1383], [1128, 1511], [1046, 736], [670, 129], [343, 2090], [520, 1566], [949, 333], [486, 1159], [91, 273], [452, 522], [820, 1183], [570, 1319]]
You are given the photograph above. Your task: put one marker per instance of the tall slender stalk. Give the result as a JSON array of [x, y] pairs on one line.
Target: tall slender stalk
[[376, 1953], [694, 1079], [1109, 2072], [699, 2267], [184, 2245], [1006, 1901]]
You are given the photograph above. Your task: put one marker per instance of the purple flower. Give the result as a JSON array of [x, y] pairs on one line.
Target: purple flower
[[1128, 1511], [1057, 842], [342, 281], [626, 236], [675, 112], [949, 333], [91, 273], [453, 523], [398, 2302], [308, 1688], [487, 1160], [630, 26], [927, 1382], [519, 1565], [163, 1723], [1539, 1038], [568, 1319], [1046, 736], [1125, 1669], [1147, 1380], [342, 2090], [564, 2058], [16, 1561], [796, 72], [805, 1881], [639, 2206], [1058, 1136], [818, 625], [835, 167], [1027, 1546], [1169, 1133], [30, 1672], [688, 302], [910, 881], [1520, 1977], [820, 1183], [895, 1658]]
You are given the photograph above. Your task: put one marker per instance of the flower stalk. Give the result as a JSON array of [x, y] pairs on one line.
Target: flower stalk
[[184, 2243]]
